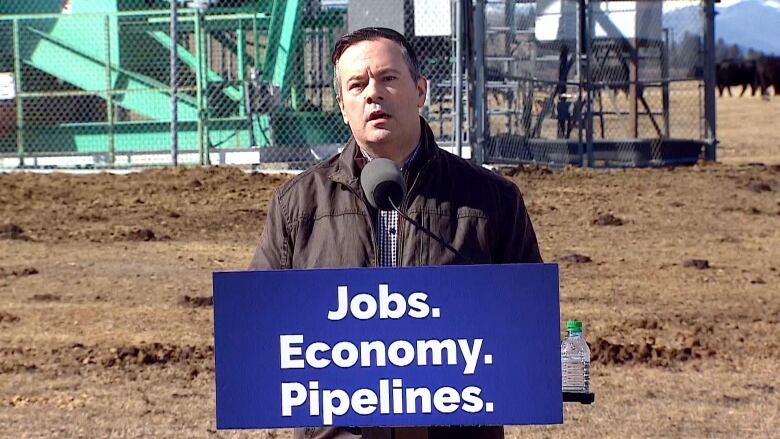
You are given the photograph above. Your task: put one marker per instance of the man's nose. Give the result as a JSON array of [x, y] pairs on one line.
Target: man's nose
[[373, 92]]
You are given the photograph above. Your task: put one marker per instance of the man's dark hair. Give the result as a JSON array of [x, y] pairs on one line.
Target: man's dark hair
[[373, 34]]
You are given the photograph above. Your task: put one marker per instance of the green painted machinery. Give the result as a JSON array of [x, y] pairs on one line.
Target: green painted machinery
[[242, 74]]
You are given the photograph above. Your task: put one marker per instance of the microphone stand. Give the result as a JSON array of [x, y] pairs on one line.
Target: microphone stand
[[429, 233]]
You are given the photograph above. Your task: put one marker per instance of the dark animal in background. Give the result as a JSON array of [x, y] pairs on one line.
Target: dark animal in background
[[768, 74], [735, 72]]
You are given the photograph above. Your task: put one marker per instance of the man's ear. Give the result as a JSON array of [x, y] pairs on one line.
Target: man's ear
[[422, 91]]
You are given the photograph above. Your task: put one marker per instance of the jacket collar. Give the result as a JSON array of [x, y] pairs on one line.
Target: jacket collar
[[350, 162]]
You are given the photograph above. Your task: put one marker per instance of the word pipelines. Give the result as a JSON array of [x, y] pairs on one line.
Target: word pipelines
[[345, 354], [337, 402]]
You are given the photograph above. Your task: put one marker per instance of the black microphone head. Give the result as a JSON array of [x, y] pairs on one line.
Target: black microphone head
[[382, 182]]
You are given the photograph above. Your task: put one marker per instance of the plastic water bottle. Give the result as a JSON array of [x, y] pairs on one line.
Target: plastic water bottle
[[575, 360]]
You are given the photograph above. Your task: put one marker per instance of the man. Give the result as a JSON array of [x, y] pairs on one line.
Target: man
[[321, 217]]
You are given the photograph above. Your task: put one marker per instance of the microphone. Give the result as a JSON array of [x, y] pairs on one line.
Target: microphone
[[383, 184], [385, 188]]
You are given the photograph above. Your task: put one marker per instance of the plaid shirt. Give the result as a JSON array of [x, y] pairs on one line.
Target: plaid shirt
[[387, 224]]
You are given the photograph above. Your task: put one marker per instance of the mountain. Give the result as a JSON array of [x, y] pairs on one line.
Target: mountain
[[750, 24]]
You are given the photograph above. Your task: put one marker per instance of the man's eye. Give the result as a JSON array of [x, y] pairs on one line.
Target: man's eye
[[390, 78], [355, 86]]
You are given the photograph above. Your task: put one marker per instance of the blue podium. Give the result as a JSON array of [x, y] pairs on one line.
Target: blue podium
[[412, 346]]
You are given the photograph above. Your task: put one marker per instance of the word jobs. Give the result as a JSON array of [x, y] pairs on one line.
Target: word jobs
[[364, 306]]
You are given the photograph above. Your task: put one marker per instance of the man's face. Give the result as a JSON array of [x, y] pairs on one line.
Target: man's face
[[379, 99]]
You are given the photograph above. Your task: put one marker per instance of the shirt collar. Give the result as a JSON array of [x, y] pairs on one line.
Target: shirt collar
[[406, 164]]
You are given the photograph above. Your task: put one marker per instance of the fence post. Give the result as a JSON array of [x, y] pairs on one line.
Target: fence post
[[255, 43], [590, 26], [174, 76], [245, 103], [109, 92], [458, 104], [201, 84], [633, 85], [665, 83], [18, 91], [241, 60], [709, 79], [479, 89], [579, 51]]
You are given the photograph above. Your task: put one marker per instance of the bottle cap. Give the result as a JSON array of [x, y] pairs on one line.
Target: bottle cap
[[574, 326]]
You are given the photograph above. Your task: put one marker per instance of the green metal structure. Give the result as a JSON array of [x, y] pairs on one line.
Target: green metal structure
[[108, 60]]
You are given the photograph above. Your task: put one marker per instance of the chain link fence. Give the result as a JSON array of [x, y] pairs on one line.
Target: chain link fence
[[87, 83], [602, 83], [91, 82]]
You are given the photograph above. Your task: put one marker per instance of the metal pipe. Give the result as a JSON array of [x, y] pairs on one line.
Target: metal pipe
[[321, 67], [245, 106], [58, 15], [480, 102], [205, 66], [633, 86], [200, 84], [33, 94], [709, 80], [458, 77], [18, 91], [509, 38], [109, 96], [189, 17], [256, 44], [580, 25], [591, 28], [241, 59], [665, 83], [174, 84]]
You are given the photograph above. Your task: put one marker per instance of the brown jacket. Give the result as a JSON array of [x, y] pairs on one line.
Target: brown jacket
[[321, 219]]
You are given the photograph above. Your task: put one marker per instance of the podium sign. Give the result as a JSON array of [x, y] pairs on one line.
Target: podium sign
[[449, 345]]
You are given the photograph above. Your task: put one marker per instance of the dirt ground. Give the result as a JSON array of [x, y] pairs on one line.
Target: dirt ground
[[106, 317]]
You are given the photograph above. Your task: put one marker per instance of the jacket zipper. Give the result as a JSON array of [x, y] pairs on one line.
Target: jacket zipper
[[404, 208]]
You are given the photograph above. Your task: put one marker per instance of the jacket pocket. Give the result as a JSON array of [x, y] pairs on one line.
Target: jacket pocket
[[466, 230]]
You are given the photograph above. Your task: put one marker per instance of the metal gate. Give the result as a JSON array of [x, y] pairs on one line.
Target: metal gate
[[594, 83]]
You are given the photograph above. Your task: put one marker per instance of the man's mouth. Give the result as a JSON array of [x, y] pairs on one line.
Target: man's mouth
[[378, 115]]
